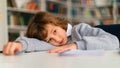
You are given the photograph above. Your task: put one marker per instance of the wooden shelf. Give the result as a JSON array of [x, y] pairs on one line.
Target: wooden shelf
[[11, 9], [17, 28]]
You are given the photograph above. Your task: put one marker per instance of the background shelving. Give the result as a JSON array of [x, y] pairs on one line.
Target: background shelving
[[117, 9], [93, 11]]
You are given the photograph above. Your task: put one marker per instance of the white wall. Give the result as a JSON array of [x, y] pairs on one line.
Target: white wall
[[3, 23]]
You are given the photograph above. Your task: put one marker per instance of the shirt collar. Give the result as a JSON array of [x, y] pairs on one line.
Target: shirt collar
[[69, 28]]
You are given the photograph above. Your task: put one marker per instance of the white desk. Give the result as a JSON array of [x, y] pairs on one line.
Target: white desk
[[111, 59]]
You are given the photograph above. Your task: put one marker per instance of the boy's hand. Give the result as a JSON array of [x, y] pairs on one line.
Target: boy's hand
[[60, 49], [11, 47]]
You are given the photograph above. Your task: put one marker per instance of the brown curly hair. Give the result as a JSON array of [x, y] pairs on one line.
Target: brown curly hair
[[37, 25]]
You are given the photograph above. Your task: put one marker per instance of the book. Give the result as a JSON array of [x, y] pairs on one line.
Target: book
[[12, 19], [107, 21], [21, 3], [19, 19], [11, 3], [52, 7]]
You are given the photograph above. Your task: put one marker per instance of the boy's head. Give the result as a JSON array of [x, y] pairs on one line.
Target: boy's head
[[42, 23]]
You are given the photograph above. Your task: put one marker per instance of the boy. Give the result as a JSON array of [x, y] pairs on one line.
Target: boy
[[47, 32]]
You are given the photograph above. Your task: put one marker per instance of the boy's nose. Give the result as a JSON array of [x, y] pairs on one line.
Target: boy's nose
[[57, 39]]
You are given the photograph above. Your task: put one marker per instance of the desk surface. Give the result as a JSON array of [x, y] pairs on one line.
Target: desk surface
[[111, 59]]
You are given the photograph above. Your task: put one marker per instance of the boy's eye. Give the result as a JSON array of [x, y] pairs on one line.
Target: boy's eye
[[54, 32], [49, 40]]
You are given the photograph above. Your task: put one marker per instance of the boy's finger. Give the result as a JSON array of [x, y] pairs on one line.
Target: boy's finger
[[12, 49], [6, 48], [62, 50]]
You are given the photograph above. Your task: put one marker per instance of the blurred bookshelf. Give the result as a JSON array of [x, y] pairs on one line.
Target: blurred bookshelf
[[93, 12], [117, 9]]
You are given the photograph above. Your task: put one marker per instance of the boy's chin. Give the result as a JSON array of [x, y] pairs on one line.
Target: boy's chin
[[59, 45]]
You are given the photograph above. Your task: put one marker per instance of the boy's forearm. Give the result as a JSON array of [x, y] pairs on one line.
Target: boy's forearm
[[94, 38], [90, 43], [32, 44]]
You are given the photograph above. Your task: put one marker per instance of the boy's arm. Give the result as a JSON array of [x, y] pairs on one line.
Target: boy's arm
[[93, 38], [32, 44]]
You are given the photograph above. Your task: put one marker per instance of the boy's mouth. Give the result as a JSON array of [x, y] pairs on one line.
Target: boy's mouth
[[62, 41]]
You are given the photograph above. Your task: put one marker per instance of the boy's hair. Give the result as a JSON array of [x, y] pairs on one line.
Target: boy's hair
[[37, 25]]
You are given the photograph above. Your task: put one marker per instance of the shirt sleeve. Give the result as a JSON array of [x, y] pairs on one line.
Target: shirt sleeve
[[32, 44], [88, 38]]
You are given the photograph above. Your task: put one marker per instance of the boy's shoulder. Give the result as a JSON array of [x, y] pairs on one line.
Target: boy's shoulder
[[81, 25]]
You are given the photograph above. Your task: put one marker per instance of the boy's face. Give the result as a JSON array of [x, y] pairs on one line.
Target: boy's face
[[56, 35]]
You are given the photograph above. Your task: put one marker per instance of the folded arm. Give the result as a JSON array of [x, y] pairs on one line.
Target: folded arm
[[88, 38]]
